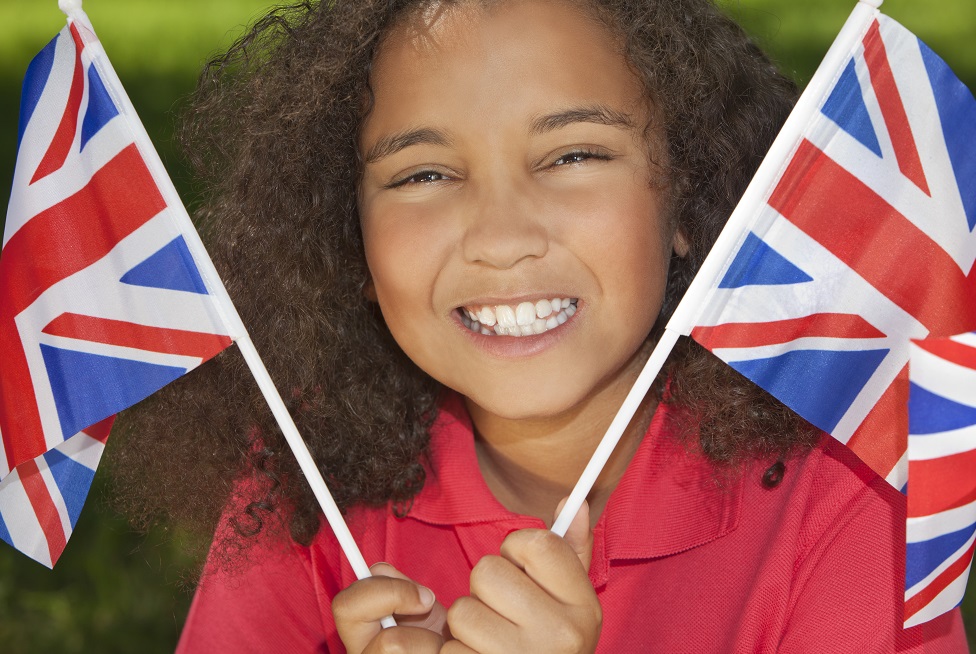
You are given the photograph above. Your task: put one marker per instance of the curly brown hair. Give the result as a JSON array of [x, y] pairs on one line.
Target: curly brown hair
[[272, 133]]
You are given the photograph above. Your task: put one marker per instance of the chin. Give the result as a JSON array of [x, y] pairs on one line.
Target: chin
[[536, 403]]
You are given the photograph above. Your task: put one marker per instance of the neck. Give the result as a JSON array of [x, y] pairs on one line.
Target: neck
[[531, 464]]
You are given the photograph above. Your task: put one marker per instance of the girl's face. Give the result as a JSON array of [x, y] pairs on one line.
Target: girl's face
[[507, 178]]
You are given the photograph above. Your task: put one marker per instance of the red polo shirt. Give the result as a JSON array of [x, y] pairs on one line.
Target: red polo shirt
[[682, 561]]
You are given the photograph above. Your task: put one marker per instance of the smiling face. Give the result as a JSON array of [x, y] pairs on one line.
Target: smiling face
[[512, 222]]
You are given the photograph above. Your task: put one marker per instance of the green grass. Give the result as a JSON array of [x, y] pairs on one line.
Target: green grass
[[114, 590]]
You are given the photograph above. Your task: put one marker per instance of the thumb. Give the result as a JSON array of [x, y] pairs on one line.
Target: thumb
[[579, 536], [434, 620]]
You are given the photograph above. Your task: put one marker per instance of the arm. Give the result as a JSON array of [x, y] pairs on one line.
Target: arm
[[264, 603]]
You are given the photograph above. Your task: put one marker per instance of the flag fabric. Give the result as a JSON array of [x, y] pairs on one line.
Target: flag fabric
[[942, 474], [104, 295], [42, 498], [864, 241]]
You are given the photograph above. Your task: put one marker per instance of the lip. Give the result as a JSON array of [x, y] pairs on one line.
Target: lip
[[517, 347], [512, 301]]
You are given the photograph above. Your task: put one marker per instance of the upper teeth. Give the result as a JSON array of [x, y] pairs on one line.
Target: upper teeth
[[523, 319]]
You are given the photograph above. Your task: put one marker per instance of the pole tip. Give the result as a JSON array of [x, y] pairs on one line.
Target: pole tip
[[68, 6]]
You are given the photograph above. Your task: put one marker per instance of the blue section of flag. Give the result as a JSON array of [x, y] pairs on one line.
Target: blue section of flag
[[846, 107], [924, 557], [73, 480], [4, 533], [34, 82], [172, 268], [820, 385], [957, 111], [757, 264], [90, 387], [100, 109], [929, 413]]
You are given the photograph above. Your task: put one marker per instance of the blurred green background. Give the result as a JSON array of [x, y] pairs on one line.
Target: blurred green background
[[115, 590]]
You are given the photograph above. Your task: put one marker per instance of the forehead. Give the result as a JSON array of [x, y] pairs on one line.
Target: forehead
[[497, 59]]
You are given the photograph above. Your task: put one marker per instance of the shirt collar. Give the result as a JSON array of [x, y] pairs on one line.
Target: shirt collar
[[670, 498], [455, 493]]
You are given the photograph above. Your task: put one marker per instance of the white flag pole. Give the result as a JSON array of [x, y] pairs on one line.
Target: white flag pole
[[694, 301], [232, 320]]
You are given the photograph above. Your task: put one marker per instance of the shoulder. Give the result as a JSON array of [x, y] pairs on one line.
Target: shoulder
[[849, 565], [834, 491], [254, 596]]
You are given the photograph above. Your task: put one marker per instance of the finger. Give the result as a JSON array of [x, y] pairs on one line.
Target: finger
[[400, 639], [579, 535], [507, 590], [479, 627], [456, 647], [551, 563], [435, 620], [358, 609]]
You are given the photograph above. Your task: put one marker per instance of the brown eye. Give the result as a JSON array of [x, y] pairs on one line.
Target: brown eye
[[578, 157], [422, 177]]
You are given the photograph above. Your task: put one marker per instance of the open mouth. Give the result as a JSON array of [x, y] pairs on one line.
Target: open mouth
[[523, 319]]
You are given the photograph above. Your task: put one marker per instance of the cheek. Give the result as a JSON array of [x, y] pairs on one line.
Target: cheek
[[628, 248], [396, 246], [405, 249]]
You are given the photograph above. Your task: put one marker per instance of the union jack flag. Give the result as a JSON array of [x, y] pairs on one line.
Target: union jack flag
[[42, 498], [942, 474], [105, 292], [865, 241]]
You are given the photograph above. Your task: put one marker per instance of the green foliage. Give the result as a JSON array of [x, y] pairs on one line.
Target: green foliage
[[797, 34], [113, 591], [117, 591], [156, 47]]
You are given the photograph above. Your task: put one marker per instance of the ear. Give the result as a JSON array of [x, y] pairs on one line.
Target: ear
[[680, 244], [369, 290]]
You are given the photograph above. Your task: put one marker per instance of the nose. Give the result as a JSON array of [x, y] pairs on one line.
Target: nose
[[504, 227]]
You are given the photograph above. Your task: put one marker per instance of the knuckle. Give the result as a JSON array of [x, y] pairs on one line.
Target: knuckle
[[460, 611], [580, 635], [596, 614], [569, 640], [485, 570], [347, 605], [454, 647], [542, 544], [342, 604], [392, 641]]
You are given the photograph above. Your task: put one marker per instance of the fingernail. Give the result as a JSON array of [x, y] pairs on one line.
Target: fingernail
[[426, 596]]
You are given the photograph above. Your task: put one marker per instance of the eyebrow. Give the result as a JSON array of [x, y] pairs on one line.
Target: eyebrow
[[599, 114], [395, 142]]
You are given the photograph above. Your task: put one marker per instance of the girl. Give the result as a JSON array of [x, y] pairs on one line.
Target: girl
[[455, 229]]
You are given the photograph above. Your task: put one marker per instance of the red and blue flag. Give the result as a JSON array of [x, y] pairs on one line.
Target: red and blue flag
[[40, 501], [106, 294], [942, 474], [865, 240]]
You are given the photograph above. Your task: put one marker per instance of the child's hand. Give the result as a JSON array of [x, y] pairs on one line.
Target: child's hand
[[421, 619], [535, 597]]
